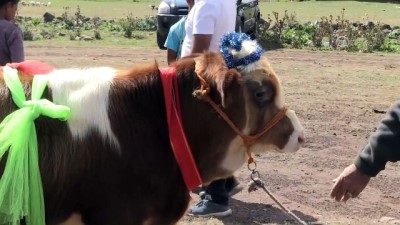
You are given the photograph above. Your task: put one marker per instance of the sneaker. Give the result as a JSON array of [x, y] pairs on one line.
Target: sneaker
[[202, 194], [207, 207], [199, 189]]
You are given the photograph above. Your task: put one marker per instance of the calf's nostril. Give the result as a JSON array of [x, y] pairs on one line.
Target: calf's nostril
[[301, 138]]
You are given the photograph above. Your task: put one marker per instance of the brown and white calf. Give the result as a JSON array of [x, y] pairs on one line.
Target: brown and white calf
[[112, 161]]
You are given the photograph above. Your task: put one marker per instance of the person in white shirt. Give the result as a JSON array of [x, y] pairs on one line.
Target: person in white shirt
[[206, 24]]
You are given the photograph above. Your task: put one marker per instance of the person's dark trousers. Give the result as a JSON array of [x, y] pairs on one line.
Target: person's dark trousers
[[218, 192], [231, 182]]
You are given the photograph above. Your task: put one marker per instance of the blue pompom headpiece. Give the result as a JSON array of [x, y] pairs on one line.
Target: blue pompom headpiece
[[234, 41]]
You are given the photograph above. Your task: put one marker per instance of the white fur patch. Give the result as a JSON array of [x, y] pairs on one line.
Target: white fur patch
[[262, 148], [279, 101], [86, 92], [257, 65], [235, 156], [298, 131], [292, 144]]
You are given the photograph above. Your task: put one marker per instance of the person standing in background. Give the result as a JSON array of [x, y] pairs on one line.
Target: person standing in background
[[175, 37], [206, 24], [11, 41]]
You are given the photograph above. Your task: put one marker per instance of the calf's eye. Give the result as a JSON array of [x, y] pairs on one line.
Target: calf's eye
[[263, 94]]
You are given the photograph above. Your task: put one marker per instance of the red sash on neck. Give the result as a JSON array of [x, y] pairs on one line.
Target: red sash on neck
[[180, 146]]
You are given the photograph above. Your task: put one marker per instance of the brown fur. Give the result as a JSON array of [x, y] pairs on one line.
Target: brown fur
[[141, 183]]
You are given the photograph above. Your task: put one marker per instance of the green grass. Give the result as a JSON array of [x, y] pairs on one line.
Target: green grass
[[142, 40], [354, 10], [304, 11], [379, 78], [107, 9], [102, 8]]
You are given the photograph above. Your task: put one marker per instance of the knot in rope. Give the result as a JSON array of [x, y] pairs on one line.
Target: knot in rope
[[35, 108], [204, 88], [200, 93]]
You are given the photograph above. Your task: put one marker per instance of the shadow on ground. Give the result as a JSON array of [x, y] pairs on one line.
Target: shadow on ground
[[258, 213]]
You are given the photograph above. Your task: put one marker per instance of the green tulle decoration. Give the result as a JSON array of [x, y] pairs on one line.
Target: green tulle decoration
[[21, 193]]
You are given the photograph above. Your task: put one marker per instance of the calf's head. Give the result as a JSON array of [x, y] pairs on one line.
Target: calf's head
[[256, 92], [263, 100]]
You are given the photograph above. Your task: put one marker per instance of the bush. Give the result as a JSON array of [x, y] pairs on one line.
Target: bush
[[327, 33], [130, 24], [277, 31]]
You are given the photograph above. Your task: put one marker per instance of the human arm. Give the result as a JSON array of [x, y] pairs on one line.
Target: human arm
[[172, 45], [171, 56], [201, 42], [384, 146], [174, 40], [350, 183], [16, 46], [203, 27]]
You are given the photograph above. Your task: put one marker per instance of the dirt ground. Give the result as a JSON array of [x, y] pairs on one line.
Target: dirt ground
[[339, 97]]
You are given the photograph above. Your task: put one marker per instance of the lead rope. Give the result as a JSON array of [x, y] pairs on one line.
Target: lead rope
[[202, 94], [256, 182], [248, 140]]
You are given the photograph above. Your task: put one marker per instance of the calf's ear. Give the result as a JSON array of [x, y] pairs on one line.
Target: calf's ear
[[212, 68], [226, 84]]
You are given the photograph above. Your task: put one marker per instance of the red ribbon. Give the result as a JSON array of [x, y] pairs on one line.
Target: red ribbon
[[180, 146], [31, 67]]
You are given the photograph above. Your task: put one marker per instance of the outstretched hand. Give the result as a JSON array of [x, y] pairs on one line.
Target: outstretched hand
[[350, 183]]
